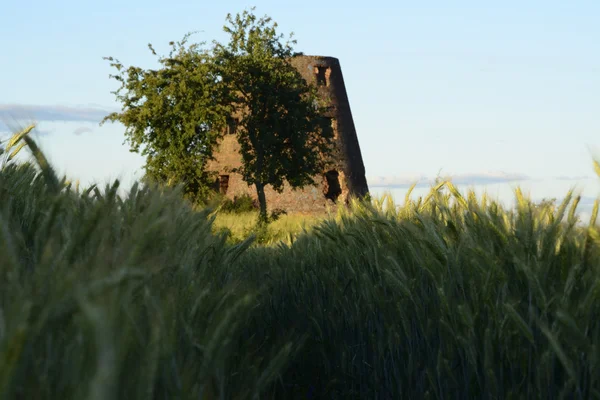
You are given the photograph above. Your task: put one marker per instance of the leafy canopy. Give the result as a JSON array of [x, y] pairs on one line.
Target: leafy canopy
[[282, 132], [176, 114]]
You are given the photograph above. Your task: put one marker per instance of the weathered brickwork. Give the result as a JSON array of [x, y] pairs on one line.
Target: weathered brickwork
[[344, 179]]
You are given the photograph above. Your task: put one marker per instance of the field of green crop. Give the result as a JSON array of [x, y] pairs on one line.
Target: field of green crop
[[444, 297]]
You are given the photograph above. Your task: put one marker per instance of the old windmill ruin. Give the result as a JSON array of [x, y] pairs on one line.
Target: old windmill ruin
[[345, 178]]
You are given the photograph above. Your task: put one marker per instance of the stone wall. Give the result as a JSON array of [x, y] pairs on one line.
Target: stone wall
[[346, 177]]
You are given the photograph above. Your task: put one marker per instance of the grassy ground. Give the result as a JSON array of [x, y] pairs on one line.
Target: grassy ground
[[241, 225]]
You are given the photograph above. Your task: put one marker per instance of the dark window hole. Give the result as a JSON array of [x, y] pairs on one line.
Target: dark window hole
[[332, 189], [322, 76], [223, 183], [231, 126]]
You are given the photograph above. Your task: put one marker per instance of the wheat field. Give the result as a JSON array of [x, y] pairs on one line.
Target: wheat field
[[142, 296]]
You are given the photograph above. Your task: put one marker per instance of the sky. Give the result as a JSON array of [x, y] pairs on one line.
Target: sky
[[494, 95]]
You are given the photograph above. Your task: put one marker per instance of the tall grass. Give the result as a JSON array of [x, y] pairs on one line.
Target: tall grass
[[104, 297], [444, 297]]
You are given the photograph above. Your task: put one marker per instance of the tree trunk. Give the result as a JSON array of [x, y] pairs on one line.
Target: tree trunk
[[262, 202]]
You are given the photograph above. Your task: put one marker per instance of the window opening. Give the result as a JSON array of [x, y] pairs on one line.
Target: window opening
[[231, 126], [322, 74], [223, 183], [332, 188]]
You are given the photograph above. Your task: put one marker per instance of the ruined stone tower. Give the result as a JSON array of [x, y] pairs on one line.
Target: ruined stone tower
[[344, 179]]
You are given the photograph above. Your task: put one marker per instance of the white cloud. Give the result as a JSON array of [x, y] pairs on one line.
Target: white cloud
[[82, 130], [17, 114], [459, 179]]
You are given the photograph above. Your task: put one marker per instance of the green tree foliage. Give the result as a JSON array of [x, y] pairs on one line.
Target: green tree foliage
[[178, 112], [174, 113], [281, 130]]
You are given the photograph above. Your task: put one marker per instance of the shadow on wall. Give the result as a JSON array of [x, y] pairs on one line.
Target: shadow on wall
[[332, 188]]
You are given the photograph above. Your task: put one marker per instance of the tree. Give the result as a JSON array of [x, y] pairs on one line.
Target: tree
[[282, 133], [176, 113]]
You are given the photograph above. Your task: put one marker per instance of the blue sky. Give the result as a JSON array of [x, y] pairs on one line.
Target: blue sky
[[496, 95]]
